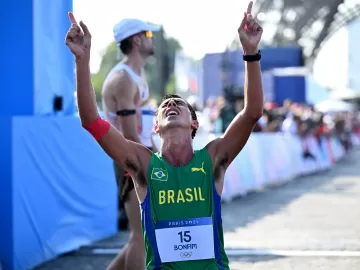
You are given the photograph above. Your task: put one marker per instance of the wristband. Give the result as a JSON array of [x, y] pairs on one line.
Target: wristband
[[252, 57], [99, 128]]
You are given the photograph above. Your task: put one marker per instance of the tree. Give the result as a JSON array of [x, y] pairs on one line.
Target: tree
[[108, 61], [159, 69], [171, 85]]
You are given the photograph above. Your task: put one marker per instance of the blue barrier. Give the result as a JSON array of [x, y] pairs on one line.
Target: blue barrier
[[64, 193]]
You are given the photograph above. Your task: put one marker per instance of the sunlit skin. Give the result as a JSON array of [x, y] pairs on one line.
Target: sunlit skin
[[174, 113], [174, 124]]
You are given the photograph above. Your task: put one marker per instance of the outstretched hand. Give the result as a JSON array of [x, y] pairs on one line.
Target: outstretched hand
[[78, 38], [250, 32]]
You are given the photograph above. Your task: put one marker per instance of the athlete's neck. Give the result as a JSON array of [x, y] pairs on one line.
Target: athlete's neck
[[136, 62], [176, 147]]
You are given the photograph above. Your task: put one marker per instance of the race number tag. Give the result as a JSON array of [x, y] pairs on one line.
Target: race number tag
[[185, 239]]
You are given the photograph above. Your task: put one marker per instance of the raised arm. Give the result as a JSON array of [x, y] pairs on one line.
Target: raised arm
[[114, 144], [226, 148]]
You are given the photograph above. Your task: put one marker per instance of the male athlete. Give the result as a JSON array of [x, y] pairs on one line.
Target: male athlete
[[126, 106], [178, 188]]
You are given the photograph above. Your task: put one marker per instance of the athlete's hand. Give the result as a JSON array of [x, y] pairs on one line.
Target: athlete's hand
[[250, 32], [78, 38]]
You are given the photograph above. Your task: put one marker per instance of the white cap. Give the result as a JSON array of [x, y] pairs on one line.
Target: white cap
[[129, 27]]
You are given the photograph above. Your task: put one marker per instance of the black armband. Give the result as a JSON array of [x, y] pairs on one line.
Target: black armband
[[125, 112], [252, 57]]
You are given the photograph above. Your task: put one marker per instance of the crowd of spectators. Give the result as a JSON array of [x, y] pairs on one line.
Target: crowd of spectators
[[297, 119]]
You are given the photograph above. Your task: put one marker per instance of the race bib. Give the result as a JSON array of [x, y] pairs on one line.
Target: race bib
[[185, 239]]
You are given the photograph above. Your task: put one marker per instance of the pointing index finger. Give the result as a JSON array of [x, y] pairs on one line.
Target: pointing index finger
[[249, 7], [72, 18]]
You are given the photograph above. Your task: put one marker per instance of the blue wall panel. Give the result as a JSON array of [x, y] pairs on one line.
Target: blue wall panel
[[6, 191], [17, 58], [53, 63], [271, 58], [289, 87]]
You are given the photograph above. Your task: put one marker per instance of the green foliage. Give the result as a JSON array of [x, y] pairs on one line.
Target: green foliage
[[171, 85], [109, 60]]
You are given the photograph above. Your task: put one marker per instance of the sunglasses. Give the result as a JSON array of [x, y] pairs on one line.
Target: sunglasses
[[148, 34]]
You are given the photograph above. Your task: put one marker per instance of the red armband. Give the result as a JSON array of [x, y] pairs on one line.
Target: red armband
[[98, 128]]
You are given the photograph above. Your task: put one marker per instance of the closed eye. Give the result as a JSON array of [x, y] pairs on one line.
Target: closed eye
[[177, 101], [180, 102]]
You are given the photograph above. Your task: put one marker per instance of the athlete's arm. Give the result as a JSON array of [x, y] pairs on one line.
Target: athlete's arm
[[226, 148], [235, 137], [125, 92], [113, 142]]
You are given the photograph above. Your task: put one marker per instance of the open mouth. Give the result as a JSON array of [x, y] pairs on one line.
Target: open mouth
[[172, 113]]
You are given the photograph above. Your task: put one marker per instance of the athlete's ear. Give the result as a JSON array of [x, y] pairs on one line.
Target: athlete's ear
[[195, 124], [136, 39], [156, 129]]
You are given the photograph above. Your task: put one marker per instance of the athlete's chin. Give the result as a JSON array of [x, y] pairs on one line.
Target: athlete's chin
[[148, 53], [176, 124], [169, 123]]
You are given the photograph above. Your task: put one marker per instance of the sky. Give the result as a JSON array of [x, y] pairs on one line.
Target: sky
[[200, 26]]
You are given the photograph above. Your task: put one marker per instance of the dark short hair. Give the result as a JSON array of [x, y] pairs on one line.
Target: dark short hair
[[126, 46], [191, 109]]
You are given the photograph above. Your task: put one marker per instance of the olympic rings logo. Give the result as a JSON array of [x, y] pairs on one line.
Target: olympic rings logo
[[186, 254]]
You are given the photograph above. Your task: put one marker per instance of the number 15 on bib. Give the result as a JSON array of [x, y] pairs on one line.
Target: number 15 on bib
[[185, 239]]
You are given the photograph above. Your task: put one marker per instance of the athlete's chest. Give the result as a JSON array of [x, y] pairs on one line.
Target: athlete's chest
[[182, 209], [143, 90], [180, 189]]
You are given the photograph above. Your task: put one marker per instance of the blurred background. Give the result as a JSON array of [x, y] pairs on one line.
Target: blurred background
[[307, 58], [59, 196]]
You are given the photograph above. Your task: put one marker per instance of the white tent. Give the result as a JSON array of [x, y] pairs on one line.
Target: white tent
[[334, 106]]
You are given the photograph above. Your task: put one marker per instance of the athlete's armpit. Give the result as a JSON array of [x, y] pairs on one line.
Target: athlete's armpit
[[139, 176], [132, 156], [220, 167]]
